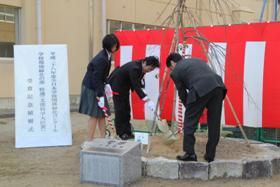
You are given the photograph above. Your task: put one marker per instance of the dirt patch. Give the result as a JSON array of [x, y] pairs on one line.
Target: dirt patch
[[60, 167], [3, 122], [227, 149]]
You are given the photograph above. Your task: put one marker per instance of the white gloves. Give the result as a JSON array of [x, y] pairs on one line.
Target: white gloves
[[108, 91], [145, 99], [101, 102], [151, 105], [144, 92]]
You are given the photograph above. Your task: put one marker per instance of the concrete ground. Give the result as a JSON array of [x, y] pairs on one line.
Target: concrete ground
[[59, 166]]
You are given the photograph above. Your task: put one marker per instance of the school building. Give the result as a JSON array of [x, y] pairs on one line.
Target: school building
[[81, 24]]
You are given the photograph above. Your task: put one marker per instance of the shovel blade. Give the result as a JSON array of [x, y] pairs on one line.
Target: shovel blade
[[163, 126], [169, 138]]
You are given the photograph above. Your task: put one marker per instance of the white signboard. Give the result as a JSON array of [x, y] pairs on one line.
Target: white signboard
[[41, 96], [142, 137]]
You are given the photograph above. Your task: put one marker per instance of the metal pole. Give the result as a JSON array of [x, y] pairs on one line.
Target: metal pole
[[275, 9], [263, 9], [103, 17], [39, 21], [91, 12]]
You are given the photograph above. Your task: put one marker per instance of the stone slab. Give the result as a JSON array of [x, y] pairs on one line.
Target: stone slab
[[256, 168], [225, 169], [162, 168], [275, 166], [111, 162], [193, 170]]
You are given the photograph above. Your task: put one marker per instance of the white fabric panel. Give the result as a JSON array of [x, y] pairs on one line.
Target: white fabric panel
[[125, 54], [217, 56], [253, 83], [125, 57], [188, 51], [152, 83]]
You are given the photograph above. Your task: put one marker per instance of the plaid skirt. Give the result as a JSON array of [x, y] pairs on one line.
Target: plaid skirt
[[89, 104]]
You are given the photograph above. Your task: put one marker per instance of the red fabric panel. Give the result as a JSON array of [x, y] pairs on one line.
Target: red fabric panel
[[165, 42], [234, 74], [271, 87], [236, 37], [137, 104]]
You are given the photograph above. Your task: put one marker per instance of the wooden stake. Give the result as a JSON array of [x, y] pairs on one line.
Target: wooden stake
[[237, 120]]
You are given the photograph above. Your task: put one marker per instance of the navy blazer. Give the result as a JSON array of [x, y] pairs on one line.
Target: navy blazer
[[197, 77], [97, 72], [126, 77]]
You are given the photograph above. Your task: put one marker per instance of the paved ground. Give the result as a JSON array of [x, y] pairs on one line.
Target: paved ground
[[59, 166]]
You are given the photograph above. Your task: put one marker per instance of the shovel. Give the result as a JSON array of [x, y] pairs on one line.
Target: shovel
[[109, 119], [168, 136]]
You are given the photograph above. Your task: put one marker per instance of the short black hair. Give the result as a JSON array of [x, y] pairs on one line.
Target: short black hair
[[175, 57], [109, 41], [152, 61]]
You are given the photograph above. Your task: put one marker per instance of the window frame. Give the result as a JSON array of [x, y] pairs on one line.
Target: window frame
[[17, 22], [145, 26]]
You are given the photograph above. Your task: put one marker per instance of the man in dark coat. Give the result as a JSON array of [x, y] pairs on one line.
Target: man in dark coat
[[198, 87], [122, 80]]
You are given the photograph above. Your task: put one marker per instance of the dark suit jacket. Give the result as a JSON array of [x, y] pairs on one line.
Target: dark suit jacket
[[195, 76], [97, 72], [128, 77]]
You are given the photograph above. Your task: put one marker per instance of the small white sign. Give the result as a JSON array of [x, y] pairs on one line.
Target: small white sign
[[142, 137]]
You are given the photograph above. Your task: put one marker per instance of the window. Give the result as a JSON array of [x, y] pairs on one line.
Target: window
[[127, 26], [150, 27], [139, 26], [8, 30], [113, 26]]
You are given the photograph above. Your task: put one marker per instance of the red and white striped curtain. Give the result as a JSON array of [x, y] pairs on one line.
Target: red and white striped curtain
[[246, 56]]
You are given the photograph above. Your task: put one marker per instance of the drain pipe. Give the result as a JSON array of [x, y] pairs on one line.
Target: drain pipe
[[39, 21], [103, 18], [275, 15], [91, 23]]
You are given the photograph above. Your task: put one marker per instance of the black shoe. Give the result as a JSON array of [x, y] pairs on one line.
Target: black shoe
[[187, 157], [126, 136], [131, 136], [208, 159]]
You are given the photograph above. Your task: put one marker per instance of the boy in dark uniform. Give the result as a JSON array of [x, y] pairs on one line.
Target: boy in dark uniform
[[122, 80]]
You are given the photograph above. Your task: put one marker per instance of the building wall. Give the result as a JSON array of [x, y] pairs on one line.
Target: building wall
[[66, 22], [139, 11], [151, 11], [63, 22], [78, 24], [28, 36], [16, 3]]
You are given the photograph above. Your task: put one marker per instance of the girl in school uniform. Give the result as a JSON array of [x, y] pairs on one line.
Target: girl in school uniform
[[93, 98]]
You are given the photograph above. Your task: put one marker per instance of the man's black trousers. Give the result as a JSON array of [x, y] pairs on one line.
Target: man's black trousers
[[213, 102], [122, 114]]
